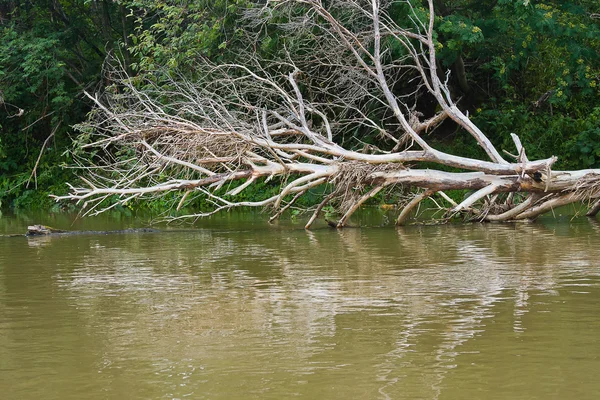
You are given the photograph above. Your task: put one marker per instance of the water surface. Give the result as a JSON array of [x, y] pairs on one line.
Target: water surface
[[239, 309]]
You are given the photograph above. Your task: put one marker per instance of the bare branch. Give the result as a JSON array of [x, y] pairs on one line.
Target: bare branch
[[478, 195], [411, 205], [356, 205], [513, 212], [37, 162]]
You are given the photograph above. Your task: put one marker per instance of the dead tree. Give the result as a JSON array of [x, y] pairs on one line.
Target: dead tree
[[287, 119]]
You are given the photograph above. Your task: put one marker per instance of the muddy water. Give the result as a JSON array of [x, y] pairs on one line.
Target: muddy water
[[239, 309]]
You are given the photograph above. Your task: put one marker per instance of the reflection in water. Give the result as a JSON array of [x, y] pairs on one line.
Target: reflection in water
[[479, 311]]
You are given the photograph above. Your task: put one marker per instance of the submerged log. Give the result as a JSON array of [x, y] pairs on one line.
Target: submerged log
[[43, 230], [39, 230]]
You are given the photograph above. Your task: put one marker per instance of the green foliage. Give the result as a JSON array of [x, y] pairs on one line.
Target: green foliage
[[585, 146], [48, 52], [173, 33], [460, 34]]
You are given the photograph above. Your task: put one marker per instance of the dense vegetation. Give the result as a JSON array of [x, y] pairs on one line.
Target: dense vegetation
[[530, 67]]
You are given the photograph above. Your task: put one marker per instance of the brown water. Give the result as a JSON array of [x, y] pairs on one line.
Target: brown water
[[240, 309]]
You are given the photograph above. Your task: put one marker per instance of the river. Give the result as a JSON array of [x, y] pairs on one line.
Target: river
[[240, 309]]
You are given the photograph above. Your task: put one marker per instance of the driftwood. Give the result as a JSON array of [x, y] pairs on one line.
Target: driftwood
[[43, 230], [291, 120]]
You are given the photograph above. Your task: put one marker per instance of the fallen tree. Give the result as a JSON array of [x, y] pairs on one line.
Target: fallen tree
[[288, 119]]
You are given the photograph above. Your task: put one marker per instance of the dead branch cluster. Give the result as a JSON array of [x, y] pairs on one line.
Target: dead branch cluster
[[300, 118]]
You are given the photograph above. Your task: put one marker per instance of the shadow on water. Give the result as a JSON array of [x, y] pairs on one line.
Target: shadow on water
[[241, 309]]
